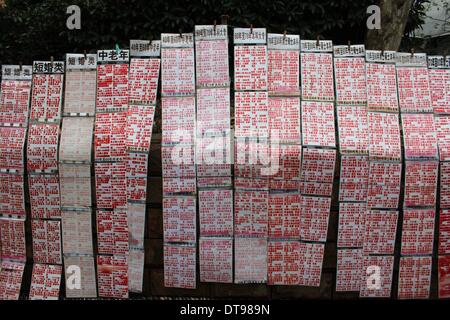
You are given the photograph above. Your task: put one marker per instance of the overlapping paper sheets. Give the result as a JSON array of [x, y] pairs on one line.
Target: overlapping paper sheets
[[80, 86], [45, 282], [216, 259], [15, 95], [349, 269], [47, 92], [88, 283], [418, 231], [180, 266], [377, 287], [110, 157], [12, 236], [46, 241], [414, 278], [11, 274], [419, 136], [443, 276], [112, 276], [250, 260], [178, 90]]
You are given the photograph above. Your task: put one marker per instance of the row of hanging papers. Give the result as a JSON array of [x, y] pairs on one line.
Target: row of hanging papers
[[259, 163]]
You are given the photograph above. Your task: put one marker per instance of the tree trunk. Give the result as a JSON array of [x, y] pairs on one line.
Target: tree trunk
[[394, 15]]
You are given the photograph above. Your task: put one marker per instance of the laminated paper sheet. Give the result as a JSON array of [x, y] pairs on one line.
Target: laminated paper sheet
[[12, 142], [284, 119], [444, 276], [76, 140], [372, 287], [414, 278], [46, 241], [178, 120], [381, 83], [216, 260], [317, 172], [44, 196], [139, 127], [310, 264], [111, 184], [251, 159], [250, 68], [178, 160], [112, 232], [351, 224], [350, 80], [284, 215], [137, 170], [384, 136], [414, 89], [285, 164], [136, 270], [213, 182], [180, 266], [88, 283], [12, 236], [317, 79], [283, 266], [380, 228], [112, 276], [251, 114], [110, 136], [318, 124], [15, 101], [439, 90], [419, 136], [251, 213], [11, 274], [421, 183], [177, 71], [284, 72], [444, 232], [46, 97], [314, 217], [42, 147], [75, 185], [250, 258], [179, 185], [12, 195], [179, 219], [77, 232], [213, 112], [143, 80], [80, 91], [354, 178], [418, 231], [136, 225], [211, 57], [349, 269], [353, 129], [445, 185], [442, 125], [112, 87], [216, 212], [45, 282], [384, 185]]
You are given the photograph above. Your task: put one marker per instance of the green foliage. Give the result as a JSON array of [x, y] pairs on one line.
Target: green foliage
[[36, 29]]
